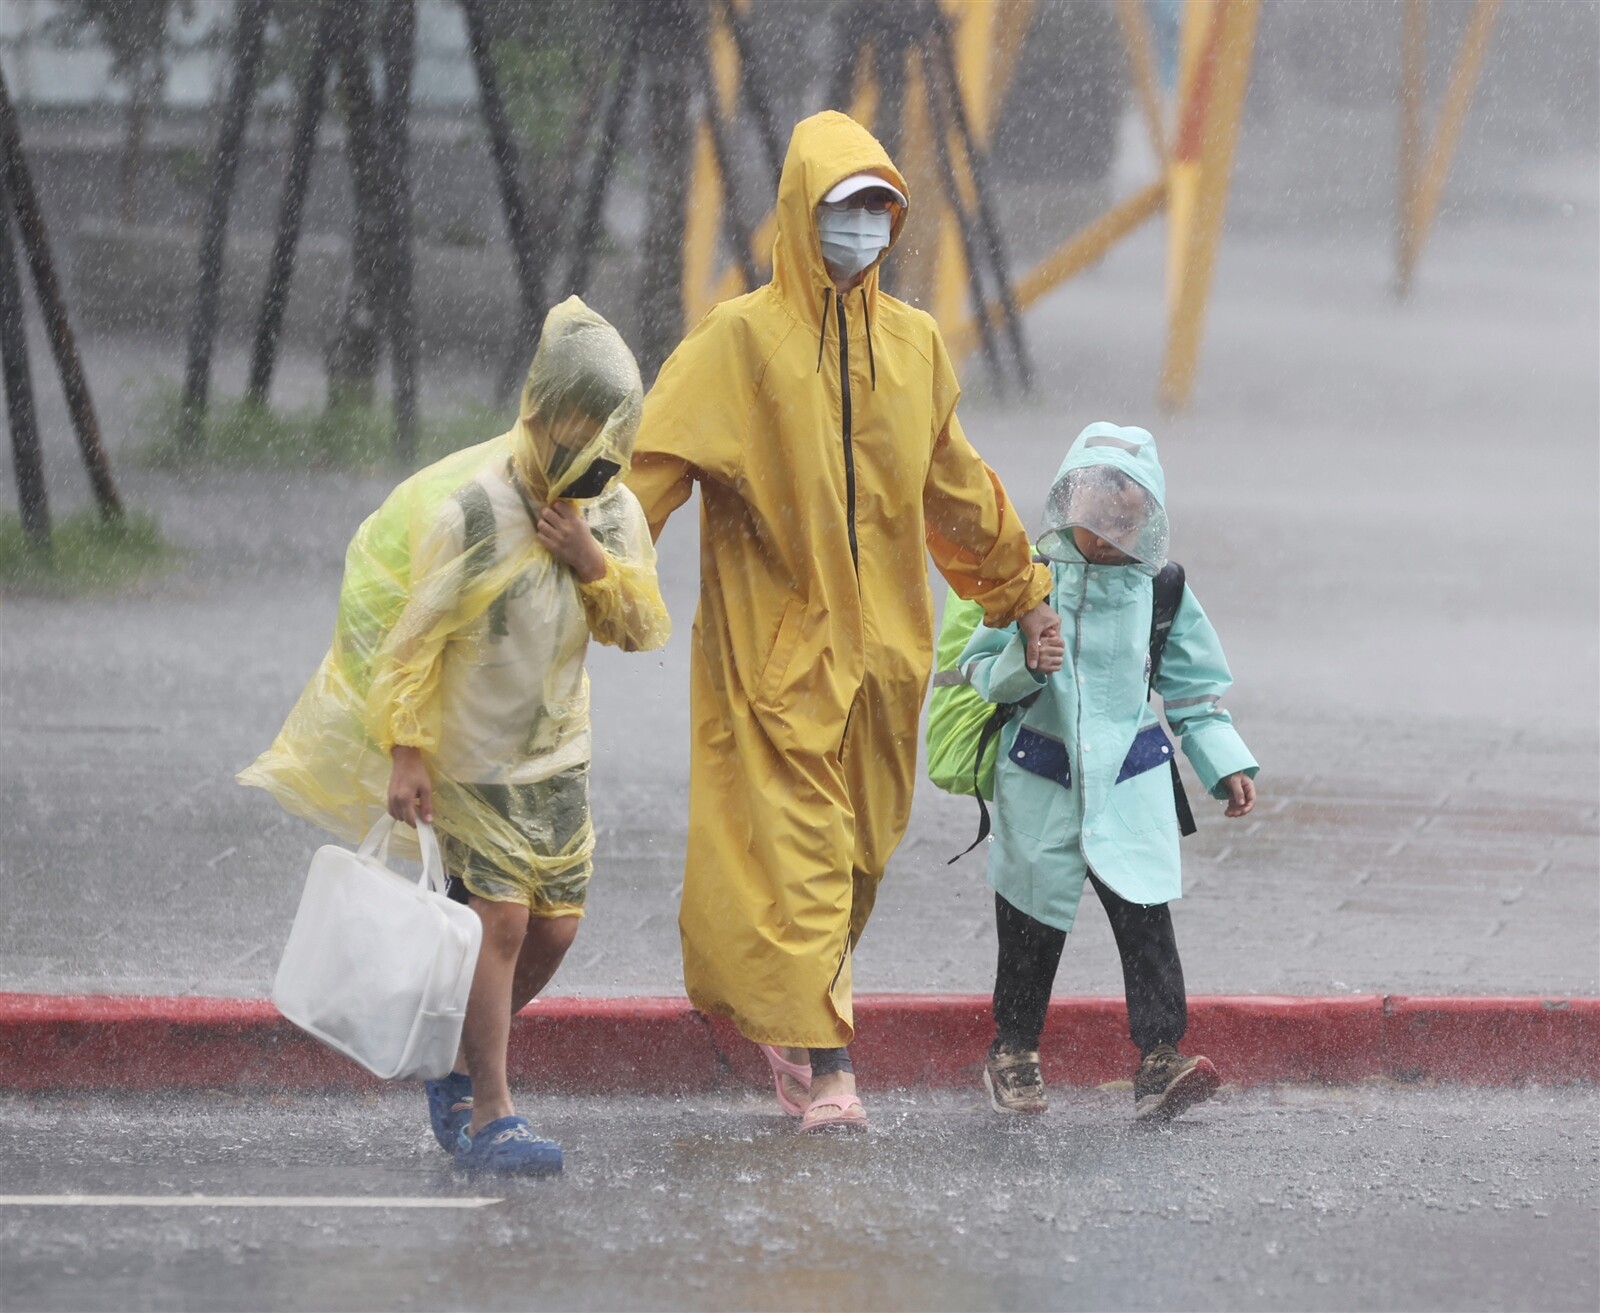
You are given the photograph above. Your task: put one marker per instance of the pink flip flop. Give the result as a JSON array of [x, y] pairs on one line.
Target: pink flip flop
[[781, 1067], [840, 1112]]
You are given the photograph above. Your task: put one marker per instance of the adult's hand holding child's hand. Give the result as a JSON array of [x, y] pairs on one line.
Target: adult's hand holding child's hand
[[410, 786], [1241, 794], [569, 539]]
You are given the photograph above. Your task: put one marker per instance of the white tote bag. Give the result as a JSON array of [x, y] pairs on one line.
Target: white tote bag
[[378, 966]]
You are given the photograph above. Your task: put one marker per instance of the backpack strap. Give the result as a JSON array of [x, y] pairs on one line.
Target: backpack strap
[[991, 730], [1169, 586]]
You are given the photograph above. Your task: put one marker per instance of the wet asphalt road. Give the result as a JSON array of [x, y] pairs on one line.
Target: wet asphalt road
[[1372, 1197]]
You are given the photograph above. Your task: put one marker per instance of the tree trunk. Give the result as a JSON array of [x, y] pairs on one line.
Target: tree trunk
[[53, 306], [248, 41], [399, 60], [530, 251], [586, 233], [145, 94], [357, 346], [671, 84], [302, 153], [32, 499]]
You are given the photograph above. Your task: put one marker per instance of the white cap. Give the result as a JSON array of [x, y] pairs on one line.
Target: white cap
[[861, 182]]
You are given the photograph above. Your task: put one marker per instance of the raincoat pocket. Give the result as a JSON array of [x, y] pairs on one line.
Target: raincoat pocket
[[773, 673], [1142, 795], [1031, 804], [1041, 755]]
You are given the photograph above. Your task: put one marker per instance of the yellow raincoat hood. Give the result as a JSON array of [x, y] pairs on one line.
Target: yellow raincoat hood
[[424, 650], [822, 434], [825, 149]]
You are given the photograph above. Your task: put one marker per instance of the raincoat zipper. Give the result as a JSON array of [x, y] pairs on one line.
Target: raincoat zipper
[[849, 452]]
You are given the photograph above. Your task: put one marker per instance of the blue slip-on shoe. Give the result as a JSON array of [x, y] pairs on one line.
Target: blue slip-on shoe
[[448, 1120], [508, 1145]]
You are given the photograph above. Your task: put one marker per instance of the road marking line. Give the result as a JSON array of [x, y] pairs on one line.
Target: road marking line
[[234, 1201]]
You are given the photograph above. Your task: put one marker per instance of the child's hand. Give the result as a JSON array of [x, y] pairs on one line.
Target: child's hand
[[1039, 624], [410, 787], [1241, 794], [570, 540], [1052, 653]]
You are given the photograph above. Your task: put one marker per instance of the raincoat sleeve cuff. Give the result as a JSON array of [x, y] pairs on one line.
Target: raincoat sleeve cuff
[[410, 729], [1005, 677], [624, 608], [1037, 590], [1216, 751]]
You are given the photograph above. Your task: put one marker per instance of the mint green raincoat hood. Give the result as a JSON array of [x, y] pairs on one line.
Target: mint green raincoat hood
[[1131, 453]]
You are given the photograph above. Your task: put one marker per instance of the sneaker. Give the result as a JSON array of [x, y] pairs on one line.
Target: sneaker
[[508, 1145], [449, 1107], [1013, 1081], [1167, 1083]]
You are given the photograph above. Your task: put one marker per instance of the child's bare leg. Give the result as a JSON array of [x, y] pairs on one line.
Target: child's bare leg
[[488, 1022], [546, 943]]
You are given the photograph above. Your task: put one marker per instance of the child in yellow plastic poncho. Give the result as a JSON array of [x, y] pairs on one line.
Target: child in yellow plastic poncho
[[455, 691]]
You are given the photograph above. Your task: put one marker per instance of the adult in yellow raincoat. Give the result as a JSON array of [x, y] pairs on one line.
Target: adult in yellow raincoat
[[817, 414], [455, 691]]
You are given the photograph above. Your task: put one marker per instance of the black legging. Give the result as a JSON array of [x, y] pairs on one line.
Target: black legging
[[824, 1062], [1152, 975]]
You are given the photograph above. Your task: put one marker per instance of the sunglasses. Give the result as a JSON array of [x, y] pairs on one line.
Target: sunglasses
[[872, 201]]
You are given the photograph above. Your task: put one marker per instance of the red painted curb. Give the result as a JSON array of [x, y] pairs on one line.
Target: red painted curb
[[1493, 1041], [661, 1045]]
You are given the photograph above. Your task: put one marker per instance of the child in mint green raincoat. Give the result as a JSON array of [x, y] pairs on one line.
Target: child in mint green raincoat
[[1083, 783]]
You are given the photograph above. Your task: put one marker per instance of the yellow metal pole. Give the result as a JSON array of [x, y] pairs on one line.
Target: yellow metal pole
[[920, 274], [700, 229], [1136, 40], [1229, 78], [987, 40], [1013, 18], [1078, 252], [1413, 80], [1193, 31], [703, 222], [973, 38], [1447, 136], [1197, 53]]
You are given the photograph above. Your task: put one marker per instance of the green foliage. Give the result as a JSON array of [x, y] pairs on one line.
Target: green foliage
[[86, 554], [240, 435], [190, 169], [459, 234], [541, 86]]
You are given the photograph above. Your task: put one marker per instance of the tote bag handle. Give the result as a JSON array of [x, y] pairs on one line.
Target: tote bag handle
[[377, 842]]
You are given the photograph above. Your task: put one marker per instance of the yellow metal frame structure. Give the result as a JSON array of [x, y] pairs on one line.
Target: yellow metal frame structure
[[1195, 151], [1422, 181]]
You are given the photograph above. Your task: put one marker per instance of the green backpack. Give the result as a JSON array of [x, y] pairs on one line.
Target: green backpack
[[956, 714], [963, 738]]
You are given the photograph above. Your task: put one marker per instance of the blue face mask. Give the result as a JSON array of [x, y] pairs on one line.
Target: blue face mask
[[851, 239]]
